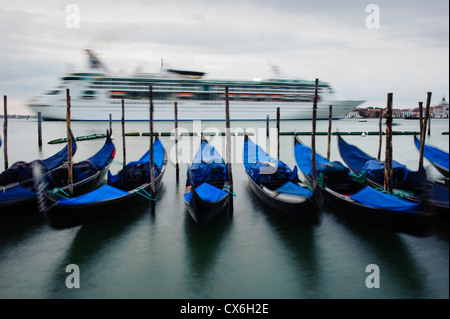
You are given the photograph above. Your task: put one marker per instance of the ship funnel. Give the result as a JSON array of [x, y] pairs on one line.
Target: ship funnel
[[94, 61]]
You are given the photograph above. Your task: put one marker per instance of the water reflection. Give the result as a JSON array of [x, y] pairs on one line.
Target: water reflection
[[203, 248], [399, 267], [298, 238], [441, 228], [91, 243], [20, 226]]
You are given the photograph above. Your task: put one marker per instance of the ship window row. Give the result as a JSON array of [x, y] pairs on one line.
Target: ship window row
[[209, 88], [139, 95], [180, 90], [210, 106]]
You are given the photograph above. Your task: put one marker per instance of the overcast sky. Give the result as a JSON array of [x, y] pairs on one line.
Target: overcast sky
[[408, 54]]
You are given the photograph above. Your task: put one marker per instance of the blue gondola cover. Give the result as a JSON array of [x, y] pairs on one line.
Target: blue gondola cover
[[60, 157], [256, 160], [102, 158], [158, 155], [335, 171], [375, 170], [15, 193], [137, 172], [294, 189], [208, 193], [207, 165], [373, 198], [105, 192], [359, 162], [434, 154]]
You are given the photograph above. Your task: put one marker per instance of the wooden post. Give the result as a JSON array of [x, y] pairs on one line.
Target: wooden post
[[152, 173], [228, 147], [429, 125], [388, 174], [110, 122], [267, 126], [177, 166], [424, 129], [313, 137], [330, 119], [69, 141], [123, 133], [380, 132], [420, 117], [5, 131], [39, 129], [278, 133]]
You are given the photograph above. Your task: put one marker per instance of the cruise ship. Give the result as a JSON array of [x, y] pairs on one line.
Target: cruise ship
[[97, 95]]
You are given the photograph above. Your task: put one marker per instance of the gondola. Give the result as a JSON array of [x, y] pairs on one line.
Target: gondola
[[207, 192], [347, 193], [129, 187], [87, 175], [411, 185], [277, 185], [438, 158], [17, 184]]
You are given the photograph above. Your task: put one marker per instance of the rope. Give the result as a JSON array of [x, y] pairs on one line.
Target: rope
[[117, 162], [145, 195], [227, 189], [56, 191], [400, 193], [382, 190]]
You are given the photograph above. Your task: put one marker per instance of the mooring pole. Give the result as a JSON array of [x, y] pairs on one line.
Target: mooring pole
[[424, 129], [420, 119], [388, 175], [313, 137], [330, 119], [39, 129], [429, 125], [152, 171], [5, 130], [123, 133], [110, 122], [69, 141], [177, 166], [267, 126], [380, 134], [278, 133], [228, 141]]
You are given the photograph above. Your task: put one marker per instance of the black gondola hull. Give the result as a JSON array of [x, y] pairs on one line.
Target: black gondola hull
[[65, 216], [28, 204], [306, 209], [418, 224], [204, 212], [427, 192]]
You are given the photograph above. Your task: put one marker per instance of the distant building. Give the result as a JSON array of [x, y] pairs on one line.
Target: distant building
[[372, 113], [441, 110], [355, 114]]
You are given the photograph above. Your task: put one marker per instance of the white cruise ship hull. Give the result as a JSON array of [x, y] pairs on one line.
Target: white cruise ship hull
[[192, 110]]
